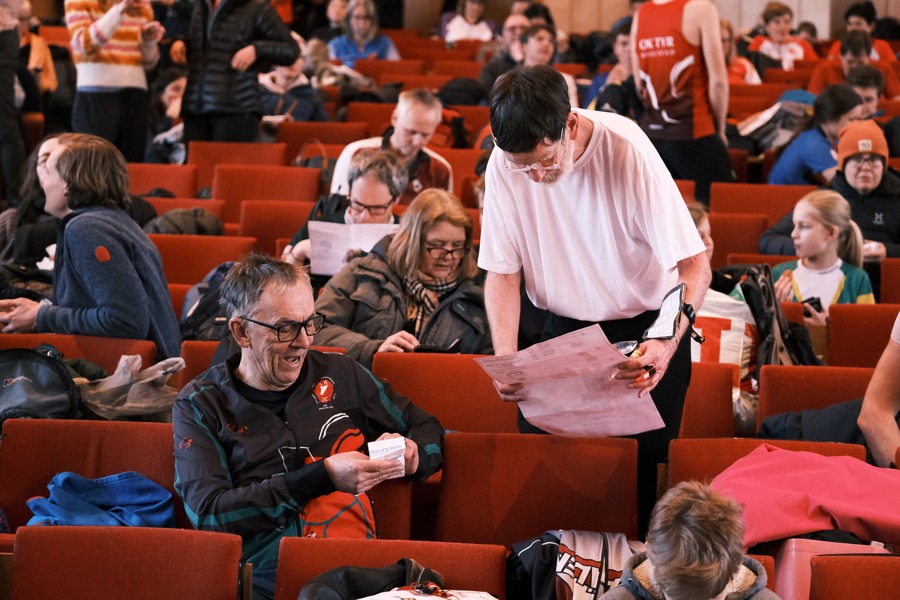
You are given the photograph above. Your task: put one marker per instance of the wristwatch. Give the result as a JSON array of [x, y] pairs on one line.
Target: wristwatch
[[688, 311]]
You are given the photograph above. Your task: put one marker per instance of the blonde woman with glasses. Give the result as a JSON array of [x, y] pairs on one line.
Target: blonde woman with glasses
[[415, 291]]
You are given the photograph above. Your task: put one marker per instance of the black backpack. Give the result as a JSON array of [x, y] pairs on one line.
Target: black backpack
[[36, 385], [780, 341], [202, 317], [328, 205]]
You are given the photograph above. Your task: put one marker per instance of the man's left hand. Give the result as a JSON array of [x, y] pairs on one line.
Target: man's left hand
[[411, 456], [644, 372]]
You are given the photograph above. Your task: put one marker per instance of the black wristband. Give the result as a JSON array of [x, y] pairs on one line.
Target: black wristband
[[688, 311]]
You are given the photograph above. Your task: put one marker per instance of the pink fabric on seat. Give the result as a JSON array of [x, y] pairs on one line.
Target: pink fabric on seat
[[786, 493]]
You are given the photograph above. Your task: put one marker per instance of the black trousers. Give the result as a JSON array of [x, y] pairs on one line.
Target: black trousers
[[12, 148], [668, 396], [703, 160], [221, 127], [119, 117]]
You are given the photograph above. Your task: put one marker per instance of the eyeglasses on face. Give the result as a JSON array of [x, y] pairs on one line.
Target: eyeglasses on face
[[873, 160], [376, 210], [288, 332], [537, 167], [440, 252]]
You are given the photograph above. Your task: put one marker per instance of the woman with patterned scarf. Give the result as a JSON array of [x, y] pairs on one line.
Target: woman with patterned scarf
[[414, 290]]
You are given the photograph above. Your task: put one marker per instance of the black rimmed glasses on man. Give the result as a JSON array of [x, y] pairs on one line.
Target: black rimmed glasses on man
[[290, 331], [376, 210]]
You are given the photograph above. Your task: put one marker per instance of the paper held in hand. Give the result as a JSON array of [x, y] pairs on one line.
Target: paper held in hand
[[388, 449], [330, 242], [568, 387]]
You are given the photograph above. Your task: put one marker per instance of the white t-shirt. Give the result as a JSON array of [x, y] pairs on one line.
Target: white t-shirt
[[341, 172], [895, 334], [603, 242], [818, 283], [460, 29]]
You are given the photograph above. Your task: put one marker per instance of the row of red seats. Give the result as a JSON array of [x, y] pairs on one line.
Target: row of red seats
[[109, 562], [546, 473]]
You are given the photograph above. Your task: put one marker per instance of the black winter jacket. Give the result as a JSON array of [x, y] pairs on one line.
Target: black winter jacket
[[213, 38], [877, 214]]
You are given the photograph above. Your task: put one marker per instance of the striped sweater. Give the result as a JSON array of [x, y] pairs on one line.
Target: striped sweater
[[107, 46]]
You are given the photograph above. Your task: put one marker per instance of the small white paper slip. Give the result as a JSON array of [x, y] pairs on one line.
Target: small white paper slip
[[389, 449]]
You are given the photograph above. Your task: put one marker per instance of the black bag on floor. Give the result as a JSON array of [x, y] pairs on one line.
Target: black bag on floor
[[35, 385]]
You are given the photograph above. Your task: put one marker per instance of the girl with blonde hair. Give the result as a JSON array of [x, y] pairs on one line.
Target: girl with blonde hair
[[830, 250]]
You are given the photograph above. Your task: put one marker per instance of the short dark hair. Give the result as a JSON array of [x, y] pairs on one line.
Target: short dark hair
[[776, 9], [834, 102], [856, 43], [246, 280], [31, 194], [623, 29], [537, 10], [528, 106], [806, 26], [866, 76], [863, 10], [94, 171], [534, 30]]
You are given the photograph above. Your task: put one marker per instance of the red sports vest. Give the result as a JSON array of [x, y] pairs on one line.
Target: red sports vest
[[674, 74]]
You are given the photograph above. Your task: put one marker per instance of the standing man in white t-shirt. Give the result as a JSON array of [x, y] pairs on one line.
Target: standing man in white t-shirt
[[581, 203]]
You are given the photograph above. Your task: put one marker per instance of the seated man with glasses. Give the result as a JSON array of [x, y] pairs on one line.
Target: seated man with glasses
[[414, 291], [375, 181], [270, 442]]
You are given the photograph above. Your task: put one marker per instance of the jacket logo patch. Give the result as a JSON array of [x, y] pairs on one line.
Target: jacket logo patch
[[879, 219], [238, 430], [102, 254], [323, 390], [185, 443]]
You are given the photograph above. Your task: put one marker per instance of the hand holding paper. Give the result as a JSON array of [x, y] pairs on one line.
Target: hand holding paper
[[393, 446], [567, 386], [355, 473]]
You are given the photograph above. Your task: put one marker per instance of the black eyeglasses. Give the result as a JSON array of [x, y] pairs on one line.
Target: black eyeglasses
[[440, 252], [376, 210], [288, 332], [872, 160]]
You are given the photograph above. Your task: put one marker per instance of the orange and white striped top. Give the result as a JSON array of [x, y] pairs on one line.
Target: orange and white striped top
[[107, 46]]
